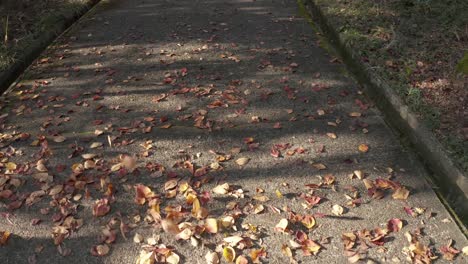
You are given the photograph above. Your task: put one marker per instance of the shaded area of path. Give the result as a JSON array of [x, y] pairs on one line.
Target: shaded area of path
[[197, 81]]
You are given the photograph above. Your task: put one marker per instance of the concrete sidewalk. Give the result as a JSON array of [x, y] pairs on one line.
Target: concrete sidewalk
[[198, 94]]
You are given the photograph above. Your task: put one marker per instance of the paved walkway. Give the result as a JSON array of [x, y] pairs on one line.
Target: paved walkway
[[181, 97]]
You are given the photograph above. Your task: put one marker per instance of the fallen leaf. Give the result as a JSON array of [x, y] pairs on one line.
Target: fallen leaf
[[242, 161], [100, 250], [88, 156], [137, 238], [173, 258], [286, 251], [354, 258], [171, 184], [241, 260], [4, 236], [212, 258], [59, 139], [282, 225], [363, 148], [308, 221], [359, 174], [101, 207], [229, 254], [401, 194], [211, 225], [221, 189], [258, 208], [319, 166], [169, 226], [465, 250], [95, 145], [278, 194], [145, 257], [394, 225], [233, 240], [310, 247], [142, 194], [185, 234], [337, 210], [449, 252]]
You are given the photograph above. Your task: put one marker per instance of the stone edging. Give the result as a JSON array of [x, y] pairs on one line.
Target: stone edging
[[449, 179], [8, 76]]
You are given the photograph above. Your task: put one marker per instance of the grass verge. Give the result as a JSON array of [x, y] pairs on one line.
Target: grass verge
[[419, 47]]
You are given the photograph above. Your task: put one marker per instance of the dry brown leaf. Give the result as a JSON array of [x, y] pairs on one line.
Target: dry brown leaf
[[185, 234], [173, 258], [221, 189], [359, 174], [258, 208], [233, 240], [171, 184], [211, 225], [282, 225], [212, 258], [241, 260], [169, 226], [394, 225], [465, 250], [401, 194], [146, 257], [95, 145], [319, 166], [137, 238], [242, 161], [337, 209], [4, 236], [88, 156], [101, 207], [59, 139]]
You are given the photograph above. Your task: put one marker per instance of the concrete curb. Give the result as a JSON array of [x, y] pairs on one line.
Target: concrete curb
[[451, 183], [8, 76]]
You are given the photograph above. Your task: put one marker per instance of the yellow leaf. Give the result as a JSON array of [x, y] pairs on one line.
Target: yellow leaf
[[308, 221], [286, 251], [363, 148], [11, 166], [279, 194], [229, 254]]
